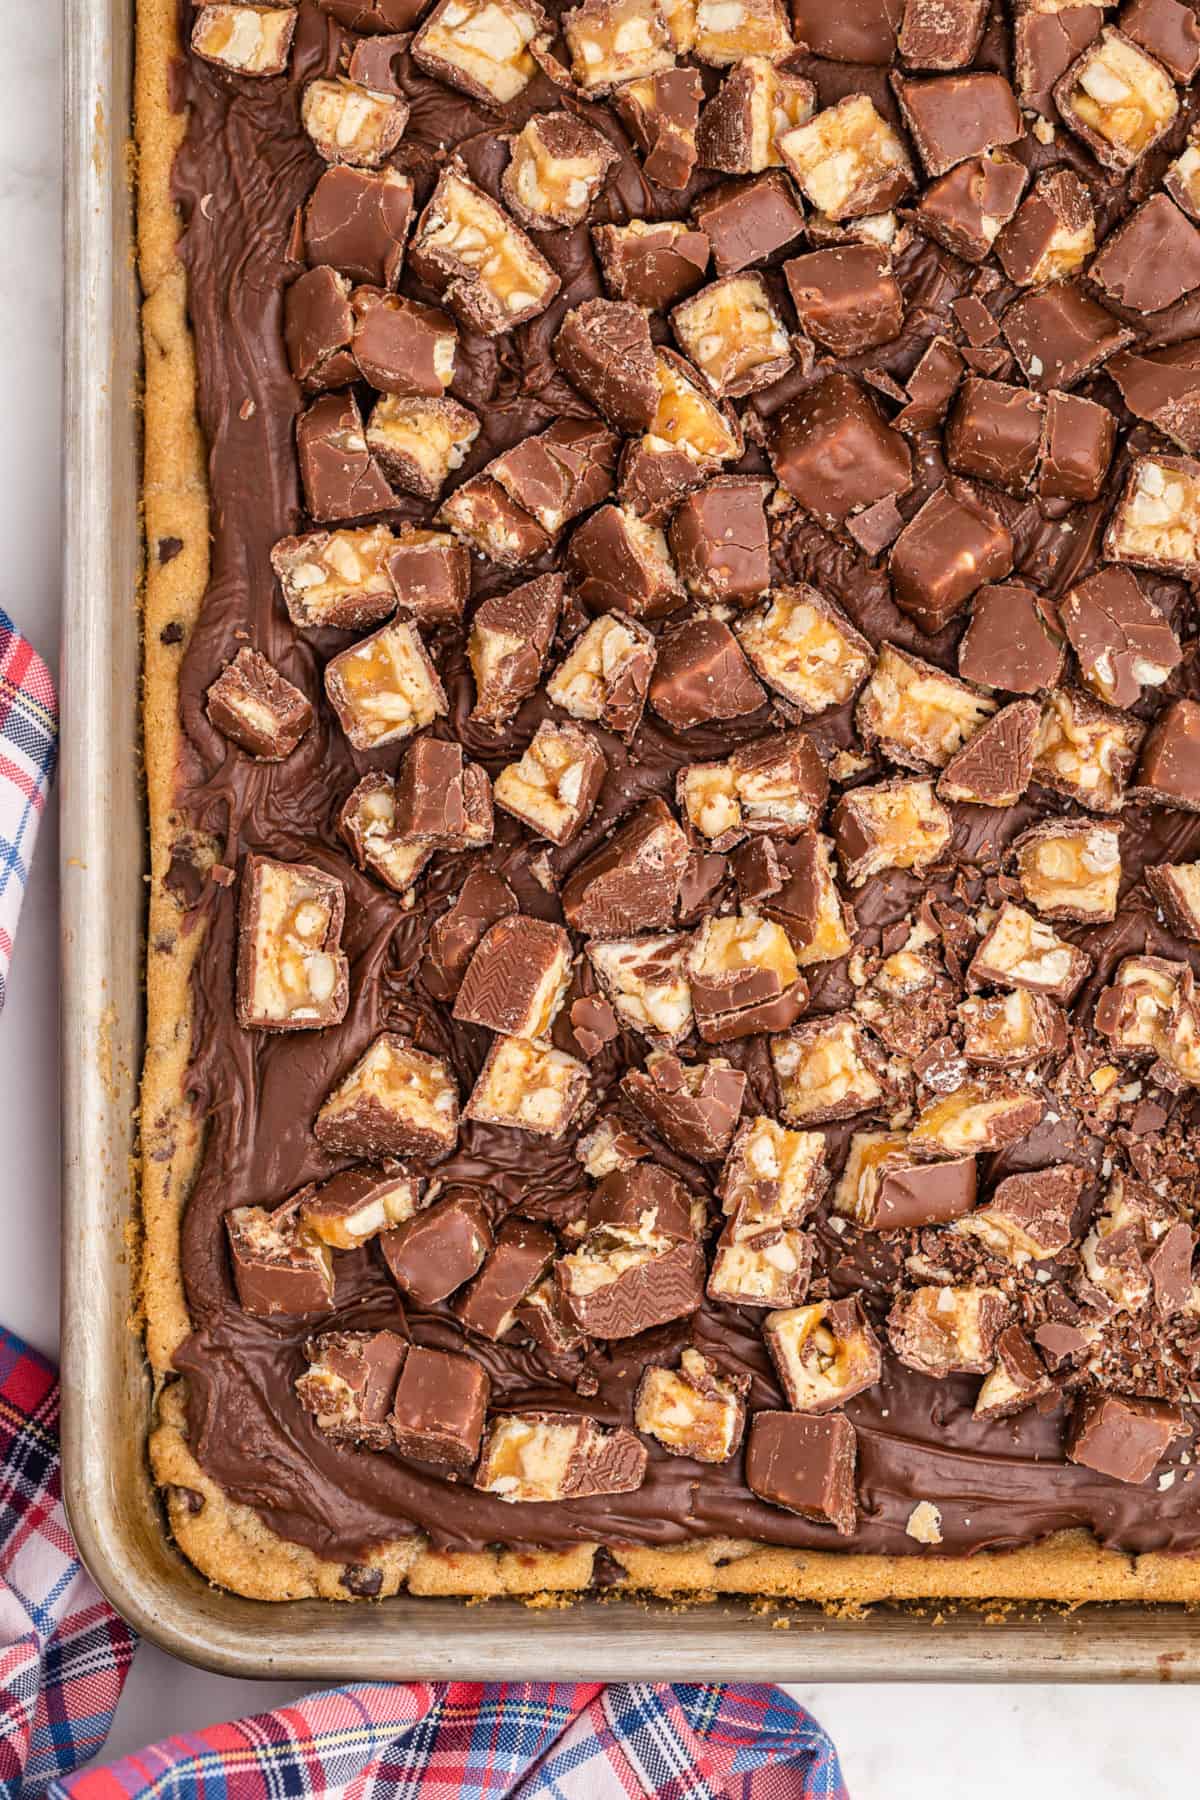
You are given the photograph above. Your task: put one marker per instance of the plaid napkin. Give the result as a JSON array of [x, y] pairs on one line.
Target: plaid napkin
[[64, 1655], [28, 753]]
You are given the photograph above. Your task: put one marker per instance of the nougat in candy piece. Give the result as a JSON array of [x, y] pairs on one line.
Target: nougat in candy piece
[[631, 883], [894, 825], [440, 1407], [558, 166], [603, 347], [848, 160], [257, 708], [556, 783], [434, 1253], [357, 221], [692, 434], [720, 541], [651, 264], [1169, 769], [350, 1209], [645, 980], [564, 471], [915, 713], [543, 1456], [1017, 1378], [1126, 1242], [336, 578], [727, 31], [480, 46], [806, 649], [694, 1410], [773, 1175], [761, 1262], [1052, 233], [482, 514], [605, 676], [701, 675], [384, 688], [349, 1384], [1086, 751], [733, 333], [942, 1331], [340, 477], [806, 1466], [510, 635], [1117, 99], [621, 563], [395, 1101], [318, 328], [995, 765], [1176, 888], [884, 1188], [517, 979], [529, 1087], [246, 40], [402, 347], [1070, 869], [418, 443], [778, 785], [756, 103], [1122, 1438], [367, 821], [1121, 640], [292, 973], [1011, 1031], [441, 799], [1028, 1217], [1151, 1009], [630, 1274], [278, 1270], [516, 1263], [613, 41], [349, 123], [824, 1354], [693, 1107], [977, 1116], [827, 1069], [661, 113], [744, 978], [487, 270], [906, 999]]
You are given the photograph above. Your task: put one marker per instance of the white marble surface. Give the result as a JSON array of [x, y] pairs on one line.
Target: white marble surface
[[897, 1743]]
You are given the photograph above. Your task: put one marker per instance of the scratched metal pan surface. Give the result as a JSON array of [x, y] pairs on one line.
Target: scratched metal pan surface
[[110, 1499]]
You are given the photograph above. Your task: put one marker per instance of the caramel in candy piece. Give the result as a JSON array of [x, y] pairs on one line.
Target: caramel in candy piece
[[480, 46], [528, 1087], [395, 1101], [384, 688], [488, 271], [542, 1456], [292, 973], [824, 1354], [336, 578], [556, 783], [278, 1270], [246, 40], [349, 123], [694, 1410]]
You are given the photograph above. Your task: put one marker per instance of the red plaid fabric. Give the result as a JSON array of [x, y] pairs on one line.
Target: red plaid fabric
[[28, 753], [68, 1653]]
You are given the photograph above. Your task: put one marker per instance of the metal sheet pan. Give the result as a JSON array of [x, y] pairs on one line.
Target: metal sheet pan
[[109, 1496]]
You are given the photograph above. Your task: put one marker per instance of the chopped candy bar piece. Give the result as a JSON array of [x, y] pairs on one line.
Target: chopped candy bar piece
[[955, 544], [1122, 642], [488, 271], [606, 674], [292, 973], [701, 675], [318, 325], [558, 167], [555, 785], [510, 635], [1135, 1012], [337, 578], [384, 687], [542, 1314], [395, 1101], [543, 1456], [1011, 1031], [906, 999], [693, 1410], [848, 160], [744, 978], [942, 1331], [778, 785], [862, 31], [432, 1254], [693, 1107], [995, 766], [613, 41], [1182, 179], [1169, 31], [931, 387], [516, 1263], [806, 902], [846, 299], [805, 1465], [1157, 521], [646, 1197], [720, 542], [883, 1188], [431, 575], [253, 705], [1045, 44], [833, 452], [517, 979], [727, 31], [357, 221], [1176, 888], [1118, 1253], [483, 899], [995, 433], [440, 1407], [651, 264], [604, 347], [349, 1384], [630, 1275], [279, 1271], [566, 470], [941, 34], [1059, 335], [1169, 770], [824, 1354], [247, 40], [732, 332], [418, 443], [952, 117], [828, 1069], [740, 126], [1150, 260], [1019, 951], [1017, 1378], [1122, 1438], [1053, 232], [529, 1087], [645, 980], [1011, 641], [661, 113], [351, 1208], [806, 649], [974, 1118], [481, 513], [340, 477], [1076, 449], [621, 563], [480, 46], [352, 124], [1028, 1218], [747, 221], [368, 823], [1086, 751], [1163, 388], [632, 882], [402, 347], [692, 435], [894, 825], [772, 1175], [1117, 99], [916, 714], [761, 1262]]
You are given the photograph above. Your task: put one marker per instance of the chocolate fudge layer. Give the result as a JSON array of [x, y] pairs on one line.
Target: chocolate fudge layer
[[684, 828]]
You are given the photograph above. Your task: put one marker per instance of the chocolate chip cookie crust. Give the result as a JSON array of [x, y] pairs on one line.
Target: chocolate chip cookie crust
[[229, 1541]]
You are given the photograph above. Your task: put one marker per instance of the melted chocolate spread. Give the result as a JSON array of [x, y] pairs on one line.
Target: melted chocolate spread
[[245, 167]]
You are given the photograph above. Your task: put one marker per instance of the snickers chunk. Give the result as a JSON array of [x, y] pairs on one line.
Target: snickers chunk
[[483, 898], [916, 714], [729, 30], [1169, 770], [488, 271], [1182, 179], [431, 1255], [538, 1456], [955, 544], [883, 1187], [246, 40], [942, 1331], [1157, 521], [1077, 448], [1122, 642], [418, 443], [480, 46], [995, 433], [621, 563], [741, 125], [442, 799], [349, 123], [402, 347], [482, 514], [806, 649], [1151, 1008], [935, 34], [257, 709], [318, 326], [604, 348], [556, 783], [1020, 951], [626, 1278], [384, 688], [652, 265], [510, 635], [1122, 1438], [1052, 234], [895, 825], [906, 1001], [647, 983], [994, 767], [778, 785], [761, 1262], [280, 1272], [1017, 1378], [661, 113], [747, 221], [631, 883], [1117, 99], [336, 578], [833, 452], [734, 335], [693, 1107], [806, 1466], [357, 221], [565, 471], [720, 542], [515, 1265], [952, 117], [1176, 888], [1011, 1031], [340, 477], [1011, 642], [701, 675], [744, 978], [773, 1175], [395, 1101], [1086, 751], [517, 979], [528, 1087], [1070, 869], [292, 973], [368, 823], [693, 1410], [975, 1117], [349, 1384], [824, 1354], [803, 897], [828, 1069], [355, 1206], [847, 160], [440, 1407], [1118, 1252], [1028, 1218], [606, 674], [847, 299], [613, 41]]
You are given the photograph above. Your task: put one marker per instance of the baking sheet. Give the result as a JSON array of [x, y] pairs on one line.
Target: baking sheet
[[110, 1499]]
